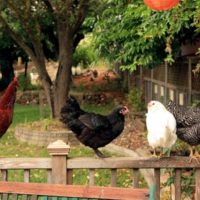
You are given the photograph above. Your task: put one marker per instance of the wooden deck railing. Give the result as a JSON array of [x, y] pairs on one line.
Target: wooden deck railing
[[60, 168], [36, 191]]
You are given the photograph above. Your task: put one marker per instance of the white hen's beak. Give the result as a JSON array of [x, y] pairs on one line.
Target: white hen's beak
[[150, 104]]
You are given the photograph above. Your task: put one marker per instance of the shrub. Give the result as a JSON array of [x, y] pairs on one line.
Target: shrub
[[84, 56], [134, 99], [25, 83]]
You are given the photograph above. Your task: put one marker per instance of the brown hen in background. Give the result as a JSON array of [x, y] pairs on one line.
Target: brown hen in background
[[7, 101]]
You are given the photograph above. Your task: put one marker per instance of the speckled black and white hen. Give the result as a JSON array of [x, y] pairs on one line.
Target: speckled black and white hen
[[188, 126]]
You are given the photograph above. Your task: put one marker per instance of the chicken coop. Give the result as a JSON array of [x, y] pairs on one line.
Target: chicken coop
[[176, 82]]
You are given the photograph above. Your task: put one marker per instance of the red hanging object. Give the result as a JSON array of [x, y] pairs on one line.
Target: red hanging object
[[160, 5]]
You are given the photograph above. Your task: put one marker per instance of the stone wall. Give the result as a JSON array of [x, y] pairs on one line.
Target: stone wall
[[43, 138]]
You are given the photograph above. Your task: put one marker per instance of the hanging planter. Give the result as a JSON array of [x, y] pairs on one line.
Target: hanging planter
[[160, 5]]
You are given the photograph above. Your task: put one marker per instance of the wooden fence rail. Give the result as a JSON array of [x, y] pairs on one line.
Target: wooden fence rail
[[60, 168], [27, 191]]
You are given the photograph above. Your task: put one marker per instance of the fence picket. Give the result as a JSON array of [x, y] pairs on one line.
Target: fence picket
[[4, 174], [91, 176], [49, 176], [136, 178], [113, 177], [69, 176], [157, 183], [26, 175], [197, 183], [177, 184]]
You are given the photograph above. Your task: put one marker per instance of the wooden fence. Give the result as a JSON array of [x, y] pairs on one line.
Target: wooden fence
[[60, 168], [41, 191], [163, 83]]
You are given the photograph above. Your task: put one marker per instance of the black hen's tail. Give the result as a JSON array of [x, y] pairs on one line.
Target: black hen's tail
[[70, 111]]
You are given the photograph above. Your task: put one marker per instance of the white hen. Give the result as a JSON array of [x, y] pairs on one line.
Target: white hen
[[161, 126]]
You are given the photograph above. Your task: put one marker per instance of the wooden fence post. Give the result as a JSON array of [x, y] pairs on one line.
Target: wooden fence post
[[59, 151]]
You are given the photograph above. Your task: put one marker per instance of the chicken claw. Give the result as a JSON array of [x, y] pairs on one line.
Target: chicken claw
[[154, 155], [99, 153], [194, 155]]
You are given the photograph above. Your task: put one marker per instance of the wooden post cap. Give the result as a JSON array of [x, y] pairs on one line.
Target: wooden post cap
[[58, 148]]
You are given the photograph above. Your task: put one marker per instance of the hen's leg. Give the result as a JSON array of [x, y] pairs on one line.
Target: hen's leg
[[196, 153], [154, 155], [99, 154], [193, 155]]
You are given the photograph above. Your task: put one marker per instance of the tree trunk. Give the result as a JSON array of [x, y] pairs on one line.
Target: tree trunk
[[63, 76], [69, 16]]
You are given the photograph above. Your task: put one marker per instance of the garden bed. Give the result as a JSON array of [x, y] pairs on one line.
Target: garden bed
[[43, 132]]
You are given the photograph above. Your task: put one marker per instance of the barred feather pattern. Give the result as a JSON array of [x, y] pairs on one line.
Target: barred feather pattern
[[190, 135], [188, 123]]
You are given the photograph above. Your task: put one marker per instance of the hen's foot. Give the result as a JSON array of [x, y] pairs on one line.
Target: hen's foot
[[99, 154], [194, 156], [154, 155]]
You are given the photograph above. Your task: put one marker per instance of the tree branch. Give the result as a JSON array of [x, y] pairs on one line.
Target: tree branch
[[17, 38], [81, 14], [48, 5]]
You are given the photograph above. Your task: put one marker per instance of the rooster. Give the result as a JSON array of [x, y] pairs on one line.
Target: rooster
[[91, 129], [161, 126], [7, 101], [188, 126]]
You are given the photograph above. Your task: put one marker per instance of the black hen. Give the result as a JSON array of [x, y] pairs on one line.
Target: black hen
[[93, 130], [188, 125]]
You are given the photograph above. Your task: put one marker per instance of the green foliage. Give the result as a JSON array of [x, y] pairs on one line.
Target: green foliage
[[26, 113], [25, 83], [79, 88], [84, 56], [131, 33], [187, 182], [134, 99], [196, 103]]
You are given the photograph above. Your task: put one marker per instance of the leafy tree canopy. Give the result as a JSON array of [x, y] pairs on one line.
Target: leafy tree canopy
[[50, 29], [129, 32]]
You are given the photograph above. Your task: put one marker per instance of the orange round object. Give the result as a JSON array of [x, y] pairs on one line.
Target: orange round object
[[160, 5]]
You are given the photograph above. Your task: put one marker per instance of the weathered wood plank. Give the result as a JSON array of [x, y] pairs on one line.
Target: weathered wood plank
[[74, 191], [113, 177], [28, 163], [197, 184], [130, 162], [136, 176], [4, 174], [177, 184], [5, 196], [59, 172], [26, 175], [91, 177], [69, 176], [49, 176], [157, 184], [95, 163]]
